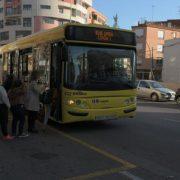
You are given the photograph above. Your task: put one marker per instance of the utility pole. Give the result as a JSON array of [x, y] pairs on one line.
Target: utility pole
[[70, 11], [153, 6], [152, 64]]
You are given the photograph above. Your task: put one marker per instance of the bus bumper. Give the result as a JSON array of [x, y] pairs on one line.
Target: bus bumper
[[76, 115]]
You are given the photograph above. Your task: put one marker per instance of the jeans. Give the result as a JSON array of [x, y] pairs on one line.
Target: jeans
[[18, 113], [4, 119], [47, 113], [32, 117]]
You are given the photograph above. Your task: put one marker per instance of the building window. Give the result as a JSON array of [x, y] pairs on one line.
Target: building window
[[161, 34], [61, 10], [159, 62], [47, 20], [45, 7], [4, 36], [20, 34], [74, 12], [9, 11], [13, 21], [139, 32], [78, 13], [160, 48], [9, 1], [27, 22], [1, 10], [27, 7], [94, 16], [1, 24]]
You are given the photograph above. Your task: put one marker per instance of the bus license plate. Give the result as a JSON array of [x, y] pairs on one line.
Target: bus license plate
[[101, 118]]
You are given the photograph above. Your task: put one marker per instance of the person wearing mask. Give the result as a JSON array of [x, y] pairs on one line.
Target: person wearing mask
[[32, 102], [17, 99], [4, 105]]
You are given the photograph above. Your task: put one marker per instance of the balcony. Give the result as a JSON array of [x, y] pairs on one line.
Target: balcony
[[88, 2]]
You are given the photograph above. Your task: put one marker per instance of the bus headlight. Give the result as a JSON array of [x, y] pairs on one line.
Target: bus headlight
[[70, 102]]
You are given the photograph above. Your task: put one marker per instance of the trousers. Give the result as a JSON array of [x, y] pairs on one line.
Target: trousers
[[32, 117], [18, 113], [4, 119]]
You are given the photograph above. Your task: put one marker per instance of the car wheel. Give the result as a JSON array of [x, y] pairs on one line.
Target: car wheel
[[178, 100], [154, 97]]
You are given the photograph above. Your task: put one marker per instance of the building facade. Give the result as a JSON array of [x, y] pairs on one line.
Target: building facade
[[151, 37], [171, 67], [19, 18]]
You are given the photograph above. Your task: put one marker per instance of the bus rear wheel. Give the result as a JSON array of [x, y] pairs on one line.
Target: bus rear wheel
[[154, 97]]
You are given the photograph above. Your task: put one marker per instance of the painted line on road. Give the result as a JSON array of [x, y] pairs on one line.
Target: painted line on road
[[100, 151], [99, 174], [123, 162], [131, 176]]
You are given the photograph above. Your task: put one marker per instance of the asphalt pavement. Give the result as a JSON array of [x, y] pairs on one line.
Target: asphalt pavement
[[145, 147]]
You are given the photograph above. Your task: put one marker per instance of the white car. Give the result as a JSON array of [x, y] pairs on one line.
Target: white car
[[153, 90]]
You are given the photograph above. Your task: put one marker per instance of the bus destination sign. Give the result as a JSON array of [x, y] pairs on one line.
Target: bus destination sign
[[102, 35], [91, 34]]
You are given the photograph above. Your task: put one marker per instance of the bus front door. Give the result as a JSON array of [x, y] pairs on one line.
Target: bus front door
[[55, 81]]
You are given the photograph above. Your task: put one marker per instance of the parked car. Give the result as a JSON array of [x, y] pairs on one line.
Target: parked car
[[153, 90], [177, 98]]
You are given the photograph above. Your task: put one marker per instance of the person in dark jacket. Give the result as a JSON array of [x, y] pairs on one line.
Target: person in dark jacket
[[8, 82], [17, 99]]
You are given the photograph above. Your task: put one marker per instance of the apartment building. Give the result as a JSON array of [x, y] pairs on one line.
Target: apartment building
[[151, 37], [171, 67], [19, 18]]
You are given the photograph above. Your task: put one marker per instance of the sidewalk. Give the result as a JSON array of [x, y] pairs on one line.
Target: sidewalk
[[48, 156]]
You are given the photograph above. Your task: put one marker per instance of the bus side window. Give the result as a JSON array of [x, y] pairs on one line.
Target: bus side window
[[25, 65]]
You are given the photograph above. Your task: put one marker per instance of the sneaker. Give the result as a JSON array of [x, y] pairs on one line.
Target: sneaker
[[23, 135], [8, 137]]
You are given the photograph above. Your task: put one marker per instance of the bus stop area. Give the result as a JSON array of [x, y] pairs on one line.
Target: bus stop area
[[56, 155]]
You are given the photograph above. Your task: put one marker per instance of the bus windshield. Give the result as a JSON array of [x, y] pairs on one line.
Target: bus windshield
[[100, 68]]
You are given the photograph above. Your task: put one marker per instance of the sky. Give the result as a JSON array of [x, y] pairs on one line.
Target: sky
[[131, 11]]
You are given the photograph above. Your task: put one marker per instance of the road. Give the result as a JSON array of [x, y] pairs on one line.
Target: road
[[146, 147]]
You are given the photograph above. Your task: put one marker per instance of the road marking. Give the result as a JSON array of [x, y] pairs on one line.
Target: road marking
[[125, 163], [131, 176], [98, 174]]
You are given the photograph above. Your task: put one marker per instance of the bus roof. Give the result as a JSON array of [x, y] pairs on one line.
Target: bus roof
[[51, 35]]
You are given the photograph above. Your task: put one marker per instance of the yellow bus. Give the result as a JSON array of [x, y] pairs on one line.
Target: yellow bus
[[90, 68]]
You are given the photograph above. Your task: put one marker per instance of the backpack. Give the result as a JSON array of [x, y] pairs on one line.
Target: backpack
[[46, 97]]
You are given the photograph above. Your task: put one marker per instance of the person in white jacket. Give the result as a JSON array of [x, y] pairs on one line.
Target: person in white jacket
[[4, 106], [32, 103]]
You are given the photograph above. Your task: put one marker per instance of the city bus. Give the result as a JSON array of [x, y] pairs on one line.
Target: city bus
[[90, 69]]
